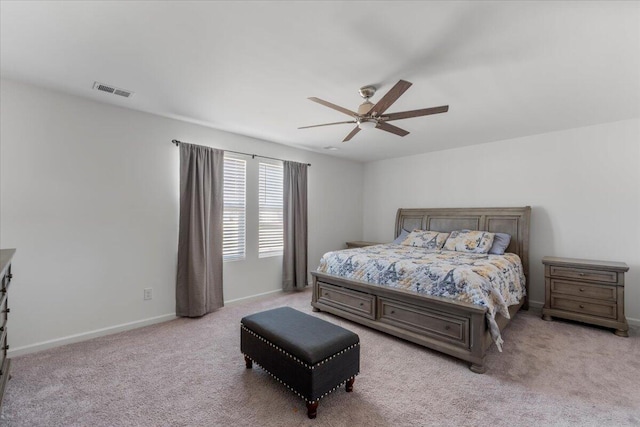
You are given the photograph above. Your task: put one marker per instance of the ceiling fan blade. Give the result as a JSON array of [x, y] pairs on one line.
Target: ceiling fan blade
[[390, 97], [352, 134], [391, 128], [334, 106], [327, 124], [415, 113]]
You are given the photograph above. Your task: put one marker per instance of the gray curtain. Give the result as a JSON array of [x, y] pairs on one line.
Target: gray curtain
[[294, 263], [199, 279]]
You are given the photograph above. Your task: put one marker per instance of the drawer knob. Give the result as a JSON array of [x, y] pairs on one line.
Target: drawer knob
[[326, 294], [580, 274], [581, 289], [581, 306], [446, 328], [361, 304], [393, 311]]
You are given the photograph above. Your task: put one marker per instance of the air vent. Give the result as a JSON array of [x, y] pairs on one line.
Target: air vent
[[105, 88], [112, 89], [122, 93]]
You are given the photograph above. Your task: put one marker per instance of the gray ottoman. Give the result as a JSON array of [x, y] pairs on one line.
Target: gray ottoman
[[310, 356]]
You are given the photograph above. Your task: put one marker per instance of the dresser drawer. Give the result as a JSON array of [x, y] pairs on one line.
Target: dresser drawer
[[600, 292], [3, 356], [599, 309], [347, 299], [3, 342], [424, 321], [4, 315], [4, 282], [3, 306], [584, 274]]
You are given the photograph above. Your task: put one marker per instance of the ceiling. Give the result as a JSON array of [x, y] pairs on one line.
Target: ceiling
[[506, 69]]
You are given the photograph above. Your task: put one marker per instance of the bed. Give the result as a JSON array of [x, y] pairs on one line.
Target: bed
[[454, 327]]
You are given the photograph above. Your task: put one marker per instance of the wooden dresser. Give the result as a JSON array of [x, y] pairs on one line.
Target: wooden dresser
[[6, 255], [360, 244], [586, 291]]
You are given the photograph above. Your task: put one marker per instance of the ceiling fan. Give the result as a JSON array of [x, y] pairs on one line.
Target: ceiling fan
[[372, 116]]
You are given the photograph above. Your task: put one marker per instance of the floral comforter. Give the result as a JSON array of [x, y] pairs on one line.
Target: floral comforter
[[492, 281]]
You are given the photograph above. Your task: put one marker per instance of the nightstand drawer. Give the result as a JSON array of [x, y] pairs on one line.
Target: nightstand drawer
[[584, 274], [578, 306], [600, 292], [346, 299]]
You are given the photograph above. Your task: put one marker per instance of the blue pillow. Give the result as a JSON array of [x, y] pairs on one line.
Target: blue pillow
[[500, 243], [403, 235]]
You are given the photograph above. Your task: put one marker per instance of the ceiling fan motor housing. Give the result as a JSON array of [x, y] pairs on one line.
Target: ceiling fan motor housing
[[365, 107], [367, 91]]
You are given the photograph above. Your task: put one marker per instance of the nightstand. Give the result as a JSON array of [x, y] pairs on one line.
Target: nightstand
[[360, 244], [586, 291]]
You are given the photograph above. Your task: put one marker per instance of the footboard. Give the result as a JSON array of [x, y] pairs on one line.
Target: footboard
[[451, 327]]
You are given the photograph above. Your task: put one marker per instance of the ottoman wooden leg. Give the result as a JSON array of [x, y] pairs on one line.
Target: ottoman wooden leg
[[312, 409], [248, 362], [349, 385]]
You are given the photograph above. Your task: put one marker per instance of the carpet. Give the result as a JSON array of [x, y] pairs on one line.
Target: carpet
[[189, 372]]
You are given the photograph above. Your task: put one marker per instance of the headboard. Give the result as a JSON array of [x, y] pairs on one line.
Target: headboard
[[513, 221]]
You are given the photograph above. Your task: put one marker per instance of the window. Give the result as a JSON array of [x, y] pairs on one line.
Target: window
[[234, 217], [270, 240]]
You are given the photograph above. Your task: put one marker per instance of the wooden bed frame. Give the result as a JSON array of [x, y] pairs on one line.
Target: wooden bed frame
[[456, 328]]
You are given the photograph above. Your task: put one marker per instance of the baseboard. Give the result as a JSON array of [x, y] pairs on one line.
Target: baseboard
[[535, 307], [251, 297], [44, 345], [32, 348], [536, 304]]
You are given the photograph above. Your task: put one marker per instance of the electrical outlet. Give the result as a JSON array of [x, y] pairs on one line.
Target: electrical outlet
[[148, 293]]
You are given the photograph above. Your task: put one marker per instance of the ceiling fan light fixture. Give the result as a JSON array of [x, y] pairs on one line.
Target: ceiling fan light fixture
[[367, 124]]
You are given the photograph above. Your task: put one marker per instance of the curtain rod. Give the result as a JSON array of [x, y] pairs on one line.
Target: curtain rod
[[253, 156]]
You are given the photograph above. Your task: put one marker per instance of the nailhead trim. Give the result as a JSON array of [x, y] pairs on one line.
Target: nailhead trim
[[294, 357], [296, 391]]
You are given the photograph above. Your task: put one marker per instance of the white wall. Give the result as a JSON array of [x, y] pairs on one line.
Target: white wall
[[89, 197], [583, 185]]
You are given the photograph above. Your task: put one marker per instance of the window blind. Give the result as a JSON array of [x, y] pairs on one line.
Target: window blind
[[270, 239], [234, 217]]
